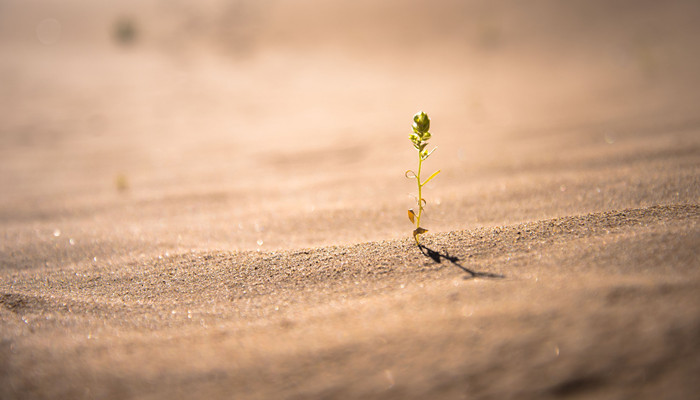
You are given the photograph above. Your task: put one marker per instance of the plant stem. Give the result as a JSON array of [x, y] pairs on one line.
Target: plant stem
[[420, 196], [420, 189]]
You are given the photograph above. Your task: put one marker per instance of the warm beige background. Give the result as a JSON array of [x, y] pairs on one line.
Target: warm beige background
[[165, 202]]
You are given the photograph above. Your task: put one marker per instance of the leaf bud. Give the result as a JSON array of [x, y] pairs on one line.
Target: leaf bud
[[421, 123]]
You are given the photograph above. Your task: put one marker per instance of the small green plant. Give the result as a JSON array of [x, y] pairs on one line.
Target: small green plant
[[419, 138]]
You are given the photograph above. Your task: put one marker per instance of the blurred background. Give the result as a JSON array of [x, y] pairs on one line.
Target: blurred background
[[135, 128]]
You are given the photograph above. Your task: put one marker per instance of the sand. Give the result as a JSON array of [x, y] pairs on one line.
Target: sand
[[208, 201]]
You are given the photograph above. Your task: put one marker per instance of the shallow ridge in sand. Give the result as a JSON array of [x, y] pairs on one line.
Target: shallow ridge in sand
[[205, 320], [192, 276]]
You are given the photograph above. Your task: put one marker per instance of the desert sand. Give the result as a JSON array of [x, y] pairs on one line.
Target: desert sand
[[207, 200]]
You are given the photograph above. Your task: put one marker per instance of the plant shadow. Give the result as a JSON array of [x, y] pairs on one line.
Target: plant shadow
[[438, 257]]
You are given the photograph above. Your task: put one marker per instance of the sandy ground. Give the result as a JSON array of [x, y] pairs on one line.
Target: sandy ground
[[208, 201]]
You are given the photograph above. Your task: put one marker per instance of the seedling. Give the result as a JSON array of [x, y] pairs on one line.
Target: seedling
[[420, 137]]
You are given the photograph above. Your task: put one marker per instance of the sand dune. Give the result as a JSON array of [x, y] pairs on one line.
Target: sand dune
[[600, 304], [208, 201]]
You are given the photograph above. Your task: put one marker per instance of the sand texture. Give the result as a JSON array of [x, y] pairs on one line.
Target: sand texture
[[207, 200]]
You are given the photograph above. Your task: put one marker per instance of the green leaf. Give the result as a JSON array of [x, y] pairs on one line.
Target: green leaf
[[430, 177]]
